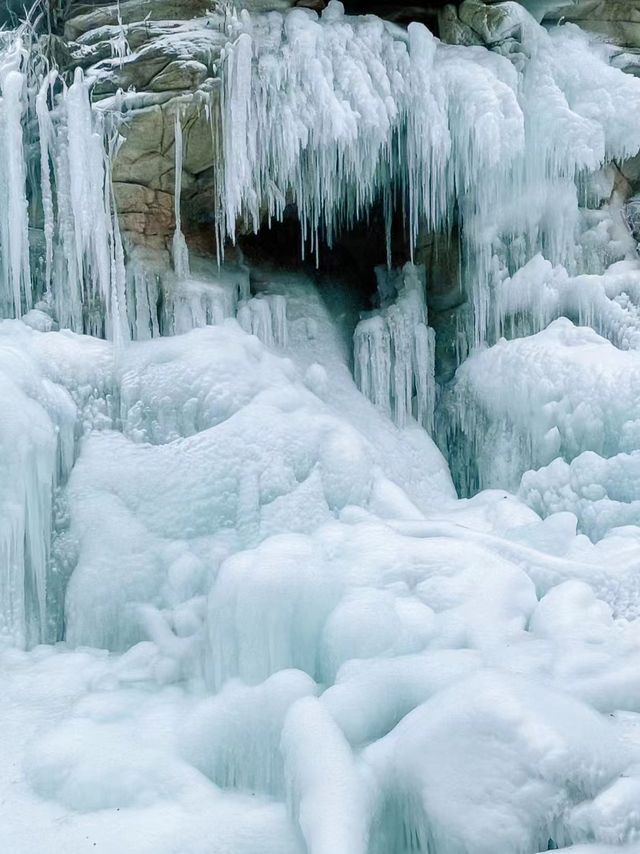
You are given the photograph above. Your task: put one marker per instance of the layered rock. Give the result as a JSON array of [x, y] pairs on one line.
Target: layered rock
[[152, 62]]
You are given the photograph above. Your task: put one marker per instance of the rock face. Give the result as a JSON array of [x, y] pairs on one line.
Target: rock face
[[128, 12], [164, 68], [618, 21]]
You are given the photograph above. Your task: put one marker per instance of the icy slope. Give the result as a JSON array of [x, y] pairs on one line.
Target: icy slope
[[316, 647]]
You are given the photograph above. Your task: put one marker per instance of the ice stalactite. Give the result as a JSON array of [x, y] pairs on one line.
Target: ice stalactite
[[96, 251], [394, 350], [179, 250], [46, 135], [15, 274], [83, 280]]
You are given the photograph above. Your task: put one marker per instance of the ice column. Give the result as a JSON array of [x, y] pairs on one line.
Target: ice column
[[394, 352]]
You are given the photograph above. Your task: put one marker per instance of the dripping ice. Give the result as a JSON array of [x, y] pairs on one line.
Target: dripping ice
[[394, 350], [425, 124]]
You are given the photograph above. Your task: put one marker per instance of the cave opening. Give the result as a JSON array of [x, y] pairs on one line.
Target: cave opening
[[350, 262]]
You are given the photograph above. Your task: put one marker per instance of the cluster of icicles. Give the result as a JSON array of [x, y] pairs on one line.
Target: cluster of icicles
[[77, 273], [82, 280], [337, 114], [394, 350]]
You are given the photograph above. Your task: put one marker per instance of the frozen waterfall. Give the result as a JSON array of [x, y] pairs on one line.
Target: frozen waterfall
[[247, 604]]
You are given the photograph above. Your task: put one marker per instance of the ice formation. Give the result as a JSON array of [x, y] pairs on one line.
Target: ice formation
[[242, 608], [179, 247], [570, 391], [403, 119], [394, 350]]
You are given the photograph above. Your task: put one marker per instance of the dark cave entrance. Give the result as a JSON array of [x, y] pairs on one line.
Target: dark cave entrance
[[351, 260]]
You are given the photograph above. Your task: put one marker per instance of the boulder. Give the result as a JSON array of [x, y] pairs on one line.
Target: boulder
[[617, 21], [179, 74], [453, 31], [494, 23]]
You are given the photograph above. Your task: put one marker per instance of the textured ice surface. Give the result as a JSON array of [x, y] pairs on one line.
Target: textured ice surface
[[570, 390], [314, 647], [603, 493]]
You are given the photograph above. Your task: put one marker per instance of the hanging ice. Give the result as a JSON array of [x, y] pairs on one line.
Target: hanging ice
[[179, 248], [335, 113], [83, 281], [394, 349], [15, 275]]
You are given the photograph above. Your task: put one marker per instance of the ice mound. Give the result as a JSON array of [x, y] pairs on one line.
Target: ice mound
[[569, 391], [538, 753], [97, 759], [603, 493], [221, 445]]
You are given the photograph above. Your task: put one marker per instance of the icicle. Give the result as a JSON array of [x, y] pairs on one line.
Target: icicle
[[120, 45], [46, 131], [180, 252], [119, 328], [15, 285]]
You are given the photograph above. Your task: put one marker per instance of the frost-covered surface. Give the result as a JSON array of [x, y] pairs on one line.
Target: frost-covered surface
[[313, 645]]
